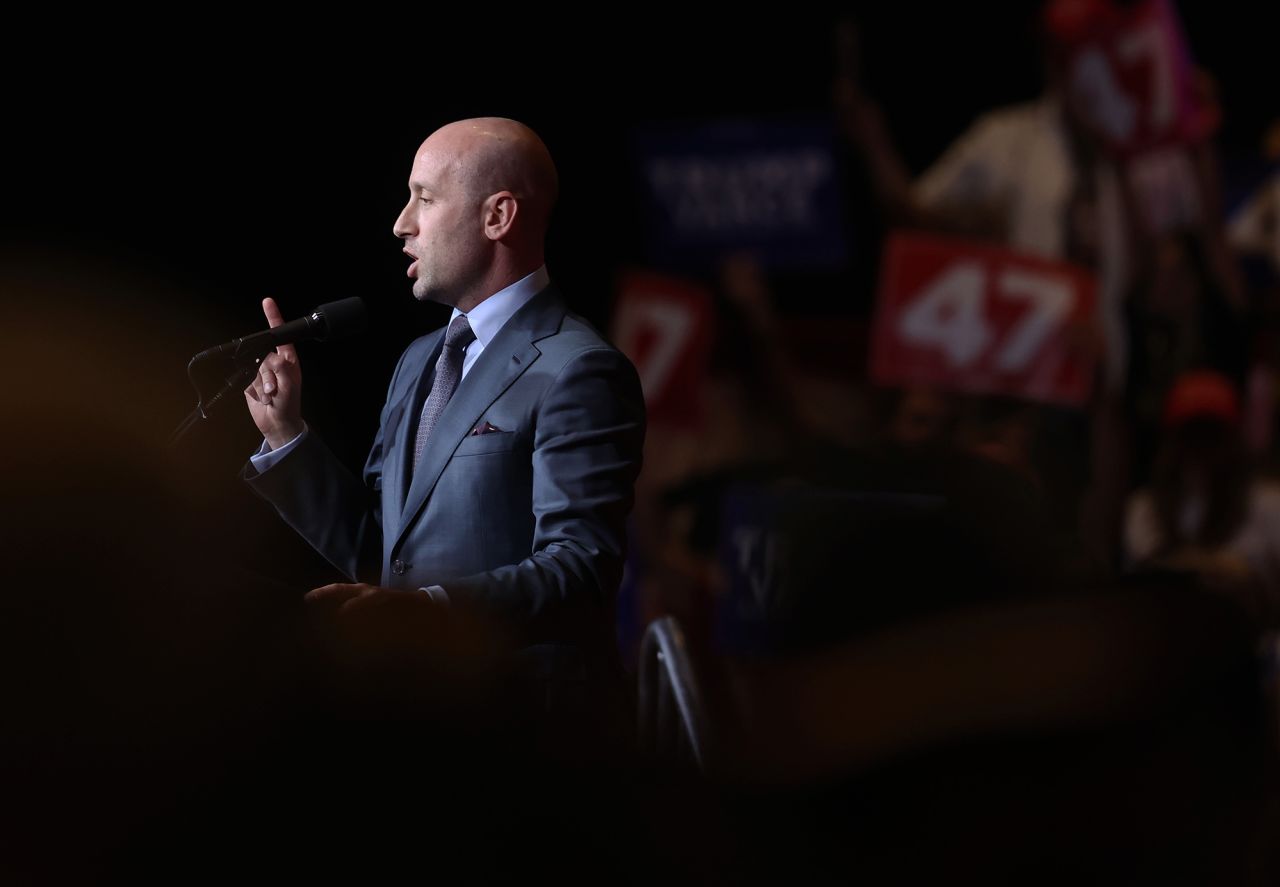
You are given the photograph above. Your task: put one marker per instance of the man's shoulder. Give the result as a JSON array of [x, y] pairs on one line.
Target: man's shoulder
[[578, 332], [575, 337], [1012, 127]]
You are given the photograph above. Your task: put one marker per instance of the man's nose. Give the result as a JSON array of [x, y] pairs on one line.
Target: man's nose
[[404, 222]]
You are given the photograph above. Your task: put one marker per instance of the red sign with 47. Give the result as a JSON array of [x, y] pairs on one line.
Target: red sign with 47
[[977, 318]]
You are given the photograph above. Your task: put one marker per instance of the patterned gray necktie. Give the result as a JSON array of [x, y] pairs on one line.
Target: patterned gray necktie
[[448, 374]]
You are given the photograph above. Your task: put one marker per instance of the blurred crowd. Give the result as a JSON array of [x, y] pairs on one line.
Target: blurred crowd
[[816, 505], [1164, 466]]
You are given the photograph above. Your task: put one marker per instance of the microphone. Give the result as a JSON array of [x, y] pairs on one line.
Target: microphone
[[332, 320]]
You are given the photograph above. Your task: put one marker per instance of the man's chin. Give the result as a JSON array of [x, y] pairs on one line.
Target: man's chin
[[423, 294]]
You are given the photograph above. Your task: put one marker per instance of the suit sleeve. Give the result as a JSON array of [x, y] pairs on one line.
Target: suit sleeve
[[587, 446], [338, 514]]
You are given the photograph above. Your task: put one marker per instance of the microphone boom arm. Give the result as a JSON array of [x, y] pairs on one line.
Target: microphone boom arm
[[331, 320]]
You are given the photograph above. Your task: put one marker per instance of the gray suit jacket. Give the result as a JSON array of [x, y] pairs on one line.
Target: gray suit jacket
[[526, 522]]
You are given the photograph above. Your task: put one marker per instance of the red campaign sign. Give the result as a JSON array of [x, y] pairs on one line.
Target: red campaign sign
[[664, 325], [971, 317], [1128, 73]]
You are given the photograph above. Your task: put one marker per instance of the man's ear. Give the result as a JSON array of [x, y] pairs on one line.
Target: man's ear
[[500, 211]]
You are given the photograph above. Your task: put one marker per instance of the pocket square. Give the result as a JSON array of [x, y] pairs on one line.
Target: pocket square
[[484, 428]]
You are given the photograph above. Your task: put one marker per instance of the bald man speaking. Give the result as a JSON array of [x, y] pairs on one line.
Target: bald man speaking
[[503, 468]]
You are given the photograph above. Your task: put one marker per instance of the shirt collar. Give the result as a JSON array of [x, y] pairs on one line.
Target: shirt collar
[[490, 315]]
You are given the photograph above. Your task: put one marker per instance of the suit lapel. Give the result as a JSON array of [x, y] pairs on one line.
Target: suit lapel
[[504, 360]]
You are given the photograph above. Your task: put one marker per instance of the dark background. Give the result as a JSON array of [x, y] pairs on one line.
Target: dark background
[[174, 172]]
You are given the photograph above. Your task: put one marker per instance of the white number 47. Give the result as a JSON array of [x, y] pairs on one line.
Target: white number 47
[[949, 314]]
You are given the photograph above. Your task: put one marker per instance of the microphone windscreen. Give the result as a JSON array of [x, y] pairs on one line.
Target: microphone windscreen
[[343, 318]]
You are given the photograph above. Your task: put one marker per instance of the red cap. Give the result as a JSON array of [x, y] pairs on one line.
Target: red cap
[[1201, 394]]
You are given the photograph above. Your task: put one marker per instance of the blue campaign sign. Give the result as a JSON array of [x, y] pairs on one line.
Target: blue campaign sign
[[770, 187], [746, 615], [807, 564]]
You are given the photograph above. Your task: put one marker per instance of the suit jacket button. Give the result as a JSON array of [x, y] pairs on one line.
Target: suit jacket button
[[399, 567]]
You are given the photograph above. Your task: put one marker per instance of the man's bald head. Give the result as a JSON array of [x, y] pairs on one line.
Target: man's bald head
[[480, 198], [493, 154]]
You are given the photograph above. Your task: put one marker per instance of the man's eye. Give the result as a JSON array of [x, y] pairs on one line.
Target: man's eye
[[425, 199]]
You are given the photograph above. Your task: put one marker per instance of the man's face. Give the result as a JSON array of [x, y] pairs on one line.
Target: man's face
[[441, 226]]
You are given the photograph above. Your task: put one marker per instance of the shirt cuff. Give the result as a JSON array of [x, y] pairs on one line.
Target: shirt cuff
[[266, 457], [437, 594]]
